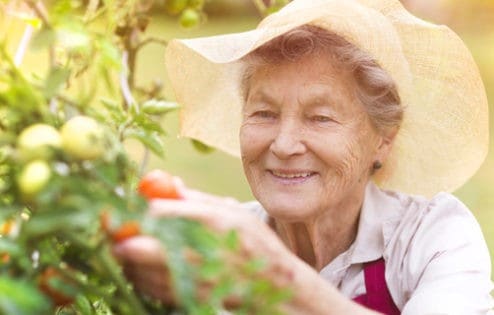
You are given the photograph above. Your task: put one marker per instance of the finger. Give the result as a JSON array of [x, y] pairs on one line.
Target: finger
[[217, 218], [179, 208], [197, 195], [180, 186], [144, 250], [221, 218], [152, 281]]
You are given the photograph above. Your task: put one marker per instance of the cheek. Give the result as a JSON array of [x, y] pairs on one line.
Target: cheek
[[359, 151], [252, 146], [254, 140], [346, 156], [347, 159], [248, 143]]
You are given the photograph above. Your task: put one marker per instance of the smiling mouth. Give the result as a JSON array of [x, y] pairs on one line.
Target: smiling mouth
[[297, 176]]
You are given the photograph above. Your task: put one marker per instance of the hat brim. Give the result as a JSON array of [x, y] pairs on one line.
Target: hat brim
[[444, 135]]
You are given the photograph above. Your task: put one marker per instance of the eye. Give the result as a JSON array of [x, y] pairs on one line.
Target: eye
[[264, 114], [321, 118]]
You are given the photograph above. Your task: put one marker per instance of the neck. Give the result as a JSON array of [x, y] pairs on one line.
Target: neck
[[319, 240]]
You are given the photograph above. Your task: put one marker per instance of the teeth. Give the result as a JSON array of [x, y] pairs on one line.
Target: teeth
[[283, 175]]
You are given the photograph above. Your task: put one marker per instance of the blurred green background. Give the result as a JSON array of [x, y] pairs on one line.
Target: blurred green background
[[221, 174]]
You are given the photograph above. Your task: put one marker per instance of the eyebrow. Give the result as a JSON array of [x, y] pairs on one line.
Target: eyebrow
[[320, 95], [262, 95]]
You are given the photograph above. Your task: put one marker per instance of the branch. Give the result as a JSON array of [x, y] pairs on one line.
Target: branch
[[151, 40], [261, 7], [21, 50], [144, 162], [91, 8], [124, 82], [40, 11]]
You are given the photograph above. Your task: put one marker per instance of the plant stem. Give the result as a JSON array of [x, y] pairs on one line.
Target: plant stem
[[150, 40], [144, 162], [21, 50], [124, 81], [113, 269], [40, 10], [92, 6]]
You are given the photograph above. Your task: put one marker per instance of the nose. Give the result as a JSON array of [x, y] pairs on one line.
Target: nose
[[288, 140]]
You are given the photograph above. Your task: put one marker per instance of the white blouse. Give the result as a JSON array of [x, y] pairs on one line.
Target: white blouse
[[437, 261]]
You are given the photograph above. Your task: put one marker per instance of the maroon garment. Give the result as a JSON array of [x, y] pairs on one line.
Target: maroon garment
[[377, 296]]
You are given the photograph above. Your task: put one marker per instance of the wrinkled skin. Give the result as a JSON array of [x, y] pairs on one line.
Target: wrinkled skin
[[307, 148]]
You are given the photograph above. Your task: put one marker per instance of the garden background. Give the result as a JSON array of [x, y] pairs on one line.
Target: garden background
[[221, 174]]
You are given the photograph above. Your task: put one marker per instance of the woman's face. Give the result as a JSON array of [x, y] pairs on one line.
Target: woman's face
[[307, 143]]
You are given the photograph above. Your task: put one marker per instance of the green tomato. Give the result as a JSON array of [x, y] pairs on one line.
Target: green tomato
[[190, 18], [83, 138], [33, 178], [196, 4], [174, 7], [37, 141]]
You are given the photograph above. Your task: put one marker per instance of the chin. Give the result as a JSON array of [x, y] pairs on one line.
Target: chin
[[288, 211]]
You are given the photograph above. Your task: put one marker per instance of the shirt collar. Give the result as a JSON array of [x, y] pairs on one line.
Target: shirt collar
[[380, 211]]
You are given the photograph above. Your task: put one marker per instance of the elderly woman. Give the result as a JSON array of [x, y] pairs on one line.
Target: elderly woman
[[352, 116]]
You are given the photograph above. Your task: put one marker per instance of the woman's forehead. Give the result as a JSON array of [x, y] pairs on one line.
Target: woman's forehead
[[315, 80]]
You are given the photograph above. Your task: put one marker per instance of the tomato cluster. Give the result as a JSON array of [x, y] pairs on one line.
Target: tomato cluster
[[124, 231], [156, 184], [189, 10], [81, 138]]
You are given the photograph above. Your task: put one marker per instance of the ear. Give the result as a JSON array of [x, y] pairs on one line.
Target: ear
[[385, 144]]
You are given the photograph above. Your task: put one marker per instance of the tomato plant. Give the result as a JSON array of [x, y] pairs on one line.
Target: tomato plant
[[68, 188]]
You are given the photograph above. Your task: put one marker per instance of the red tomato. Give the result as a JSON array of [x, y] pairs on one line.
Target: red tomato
[[4, 258], [158, 184], [126, 230], [6, 227], [58, 298]]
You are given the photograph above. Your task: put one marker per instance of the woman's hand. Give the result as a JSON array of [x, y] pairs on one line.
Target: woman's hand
[[144, 260], [144, 263]]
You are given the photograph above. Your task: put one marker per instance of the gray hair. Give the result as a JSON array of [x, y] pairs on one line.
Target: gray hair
[[375, 88]]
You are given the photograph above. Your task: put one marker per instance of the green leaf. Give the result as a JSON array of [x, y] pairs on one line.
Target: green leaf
[[73, 38], [110, 55], [201, 147], [21, 298], [83, 305], [150, 140], [43, 39], [60, 220], [143, 121], [9, 246], [55, 81], [211, 269], [115, 110], [158, 107], [231, 240]]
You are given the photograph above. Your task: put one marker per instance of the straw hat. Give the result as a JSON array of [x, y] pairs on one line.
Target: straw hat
[[444, 135]]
